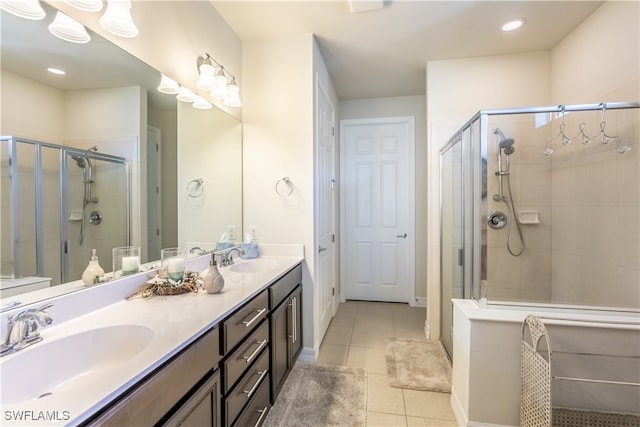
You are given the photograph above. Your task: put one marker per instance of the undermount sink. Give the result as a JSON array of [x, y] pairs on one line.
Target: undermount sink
[[255, 265], [68, 363]]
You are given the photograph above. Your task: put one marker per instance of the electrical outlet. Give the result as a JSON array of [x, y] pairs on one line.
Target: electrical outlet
[[232, 232], [253, 230]]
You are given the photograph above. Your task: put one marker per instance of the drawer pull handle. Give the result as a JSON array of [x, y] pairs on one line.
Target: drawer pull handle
[[262, 345], [248, 323], [249, 393], [262, 412]]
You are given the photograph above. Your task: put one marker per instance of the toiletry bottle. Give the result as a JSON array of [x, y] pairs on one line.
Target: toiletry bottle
[[93, 272], [213, 280]]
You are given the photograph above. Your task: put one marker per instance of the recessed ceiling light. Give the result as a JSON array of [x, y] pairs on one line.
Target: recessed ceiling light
[[56, 71], [513, 24]]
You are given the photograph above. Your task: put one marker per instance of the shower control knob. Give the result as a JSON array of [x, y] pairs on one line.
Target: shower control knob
[[497, 220]]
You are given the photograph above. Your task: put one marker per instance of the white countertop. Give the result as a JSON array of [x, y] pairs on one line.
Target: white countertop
[[176, 321]]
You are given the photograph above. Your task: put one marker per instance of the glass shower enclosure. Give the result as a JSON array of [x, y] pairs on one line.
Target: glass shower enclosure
[[540, 206], [59, 203]]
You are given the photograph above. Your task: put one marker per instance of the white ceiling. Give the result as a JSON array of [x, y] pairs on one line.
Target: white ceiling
[[384, 52]]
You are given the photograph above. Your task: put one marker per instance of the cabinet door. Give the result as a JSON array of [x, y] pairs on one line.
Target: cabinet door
[[295, 325], [201, 409], [279, 348]]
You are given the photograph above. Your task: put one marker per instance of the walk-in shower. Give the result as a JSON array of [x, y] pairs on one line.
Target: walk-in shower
[[567, 180], [47, 229]]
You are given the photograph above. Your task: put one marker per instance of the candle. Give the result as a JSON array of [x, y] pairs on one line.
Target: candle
[[175, 268], [130, 265]]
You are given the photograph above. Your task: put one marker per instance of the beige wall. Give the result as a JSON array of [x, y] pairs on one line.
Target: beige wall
[[414, 106]]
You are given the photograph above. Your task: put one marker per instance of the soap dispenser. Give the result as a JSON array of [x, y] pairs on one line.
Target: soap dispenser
[[213, 280], [93, 272]]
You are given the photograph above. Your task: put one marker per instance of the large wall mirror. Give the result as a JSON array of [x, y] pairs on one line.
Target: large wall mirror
[[84, 141]]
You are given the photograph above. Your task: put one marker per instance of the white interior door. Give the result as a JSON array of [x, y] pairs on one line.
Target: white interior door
[[325, 261], [378, 207]]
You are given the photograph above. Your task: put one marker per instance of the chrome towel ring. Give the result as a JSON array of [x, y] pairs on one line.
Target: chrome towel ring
[[195, 187], [289, 184]]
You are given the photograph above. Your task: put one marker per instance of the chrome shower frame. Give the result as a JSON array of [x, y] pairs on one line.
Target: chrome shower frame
[[476, 207], [65, 153]]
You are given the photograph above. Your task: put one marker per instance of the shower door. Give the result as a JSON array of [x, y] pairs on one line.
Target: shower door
[[95, 210], [452, 237]]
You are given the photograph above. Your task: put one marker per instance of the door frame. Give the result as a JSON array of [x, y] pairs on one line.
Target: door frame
[[411, 231]]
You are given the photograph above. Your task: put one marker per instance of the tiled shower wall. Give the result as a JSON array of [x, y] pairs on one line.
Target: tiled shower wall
[[586, 248]]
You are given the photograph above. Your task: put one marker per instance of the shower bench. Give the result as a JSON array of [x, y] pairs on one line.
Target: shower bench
[[554, 384]]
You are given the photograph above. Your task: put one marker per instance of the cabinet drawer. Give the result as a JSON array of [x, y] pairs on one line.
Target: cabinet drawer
[[283, 287], [155, 396], [256, 410], [247, 388], [238, 326], [238, 361]]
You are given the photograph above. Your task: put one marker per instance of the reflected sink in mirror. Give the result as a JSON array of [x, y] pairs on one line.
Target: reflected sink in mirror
[[69, 363], [255, 265]]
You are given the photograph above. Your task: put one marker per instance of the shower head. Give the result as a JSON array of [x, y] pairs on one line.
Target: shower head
[[80, 161], [505, 143]]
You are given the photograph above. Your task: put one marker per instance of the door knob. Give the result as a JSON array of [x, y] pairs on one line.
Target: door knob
[[402, 236], [321, 249]]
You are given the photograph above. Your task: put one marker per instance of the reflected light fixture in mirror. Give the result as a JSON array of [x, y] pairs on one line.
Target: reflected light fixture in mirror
[[68, 29], [185, 95], [85, 5], [117, 19], [201, 104], [27, 9], [168, 85]]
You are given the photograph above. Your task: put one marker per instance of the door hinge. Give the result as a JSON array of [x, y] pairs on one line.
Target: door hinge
[[333, 184], [157, 232], [333, 131], [333, 238], [333, 291]]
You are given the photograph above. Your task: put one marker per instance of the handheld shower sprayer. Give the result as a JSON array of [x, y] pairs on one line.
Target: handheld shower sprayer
[[506, 145]]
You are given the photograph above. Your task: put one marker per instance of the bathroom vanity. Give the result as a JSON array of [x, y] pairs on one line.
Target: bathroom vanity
[[215, 360]]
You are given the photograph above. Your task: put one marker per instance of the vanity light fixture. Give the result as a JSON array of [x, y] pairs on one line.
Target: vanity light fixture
[[215, 78], [27, 9], [233, 98], [168, 85], [513, 24], [201, 104], [85, 5], [68, 29], [117, 19]]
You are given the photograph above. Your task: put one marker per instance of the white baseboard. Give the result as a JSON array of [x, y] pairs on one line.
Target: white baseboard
[[419, 302], [307, 355], [461, 417]]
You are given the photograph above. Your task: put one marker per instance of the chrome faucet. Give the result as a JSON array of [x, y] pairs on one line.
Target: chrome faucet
[[226, 257], [24, 329], [198, 250]]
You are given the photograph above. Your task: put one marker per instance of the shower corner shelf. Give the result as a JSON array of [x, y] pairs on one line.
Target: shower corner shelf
[[528, 217]]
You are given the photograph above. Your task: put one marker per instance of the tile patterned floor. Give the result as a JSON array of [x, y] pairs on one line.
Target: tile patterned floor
[[356, 337]]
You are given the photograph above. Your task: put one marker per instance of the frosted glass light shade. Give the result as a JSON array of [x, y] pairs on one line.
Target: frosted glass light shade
[[68, 29], [186, 95], [168, 85], [27, 9], [117, 19], [201, 104], [219, 90], [205, 81], [85, 5], [233, 97]]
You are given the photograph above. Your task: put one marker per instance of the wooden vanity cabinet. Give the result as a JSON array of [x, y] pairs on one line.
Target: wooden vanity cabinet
[[286, 327]]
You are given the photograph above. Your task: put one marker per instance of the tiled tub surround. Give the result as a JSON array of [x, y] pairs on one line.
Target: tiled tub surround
[[176, 321]]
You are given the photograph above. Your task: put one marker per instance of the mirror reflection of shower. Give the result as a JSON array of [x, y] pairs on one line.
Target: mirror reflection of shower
[[505, 146], [87, 180]]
